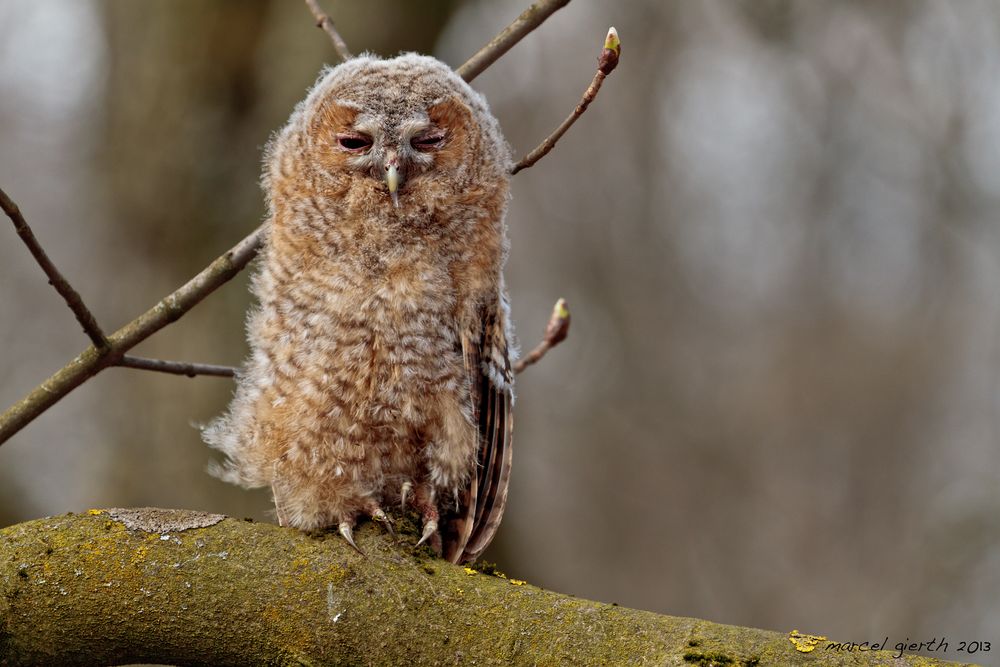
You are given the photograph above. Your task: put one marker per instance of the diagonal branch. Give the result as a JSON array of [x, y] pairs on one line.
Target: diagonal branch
[[605, 65], [56, 279], [530, 18], [324, 21], [176, 367], [92, 361]]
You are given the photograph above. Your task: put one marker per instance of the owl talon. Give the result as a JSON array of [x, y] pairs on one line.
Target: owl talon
[[429, 529], [348, 534], [381, 517], [407, 488]]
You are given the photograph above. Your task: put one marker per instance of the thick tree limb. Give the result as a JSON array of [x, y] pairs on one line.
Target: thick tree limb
[[179, 587], [56, 279], [92, 361], [530, 18], [324, 22]]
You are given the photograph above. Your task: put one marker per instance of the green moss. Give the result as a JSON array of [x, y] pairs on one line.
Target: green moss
[[708, 659]]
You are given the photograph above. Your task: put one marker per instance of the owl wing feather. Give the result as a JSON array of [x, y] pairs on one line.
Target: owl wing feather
[[490, 379]]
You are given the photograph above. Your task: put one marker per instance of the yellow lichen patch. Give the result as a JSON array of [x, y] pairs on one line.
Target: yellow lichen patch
[[272, 615], [336, 574], [804, 643], [518, 582], [139, 554], [95, 512], [469, 571]]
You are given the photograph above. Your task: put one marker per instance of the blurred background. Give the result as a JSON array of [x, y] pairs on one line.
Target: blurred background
[[777, 229]]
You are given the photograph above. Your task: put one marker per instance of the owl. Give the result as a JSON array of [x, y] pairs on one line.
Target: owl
[[379, 373]]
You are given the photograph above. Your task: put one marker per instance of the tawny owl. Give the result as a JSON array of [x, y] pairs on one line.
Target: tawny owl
[[379, 372]]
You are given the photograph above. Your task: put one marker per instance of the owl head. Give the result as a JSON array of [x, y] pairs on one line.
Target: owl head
[[402, 136]]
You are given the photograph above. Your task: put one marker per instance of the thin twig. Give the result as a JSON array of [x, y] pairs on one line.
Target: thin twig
[[530, 18], [56, 279], [176, 367], [324, 21], [555, 333], [605, 65], [93, 361]]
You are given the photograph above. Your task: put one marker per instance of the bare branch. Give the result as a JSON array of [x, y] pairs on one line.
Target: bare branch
[[56, 279], [176, 367], [324, 21], [605, 65], [530, 18], [555, 333], [93, 361]]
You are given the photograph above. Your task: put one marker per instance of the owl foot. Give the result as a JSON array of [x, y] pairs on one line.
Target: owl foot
[[347, 532], [430, 528], [382, 518]]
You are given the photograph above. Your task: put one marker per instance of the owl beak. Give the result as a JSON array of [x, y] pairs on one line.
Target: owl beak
[[392, 178]]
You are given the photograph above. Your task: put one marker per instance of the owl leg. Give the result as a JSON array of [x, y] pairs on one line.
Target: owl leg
[[307, 498]]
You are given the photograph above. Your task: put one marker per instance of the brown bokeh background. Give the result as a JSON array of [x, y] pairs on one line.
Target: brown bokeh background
[[777, 229]]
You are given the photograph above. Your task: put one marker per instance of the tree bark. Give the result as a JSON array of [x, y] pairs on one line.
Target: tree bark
[[179, 587]]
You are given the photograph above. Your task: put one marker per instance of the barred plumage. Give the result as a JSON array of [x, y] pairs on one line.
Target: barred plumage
[[379, 371]]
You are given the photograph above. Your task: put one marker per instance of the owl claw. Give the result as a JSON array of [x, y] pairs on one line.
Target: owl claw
[[407, 488], [381, 517], [348, 534], [429, 529]]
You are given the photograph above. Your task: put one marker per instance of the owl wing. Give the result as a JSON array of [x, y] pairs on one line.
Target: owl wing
[[490, 378]]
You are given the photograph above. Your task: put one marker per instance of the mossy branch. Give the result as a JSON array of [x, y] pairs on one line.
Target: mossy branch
[[179, 587]]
